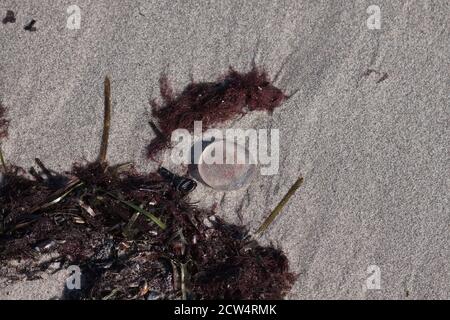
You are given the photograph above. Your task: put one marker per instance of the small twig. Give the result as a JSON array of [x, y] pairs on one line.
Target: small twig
[[184, 281], [59, 195], [383, 77], [43, 167], [106, 122], [36, 175], [292, 94], [175, 274], [280, 206], [156, 130], [2, 160], [111, 294]]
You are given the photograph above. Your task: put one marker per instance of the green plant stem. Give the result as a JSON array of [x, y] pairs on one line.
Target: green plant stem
[[280, 206], [106, 121], [152, 217], [2, 160]]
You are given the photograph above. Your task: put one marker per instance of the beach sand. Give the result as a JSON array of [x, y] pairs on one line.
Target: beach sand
[[373, 147]]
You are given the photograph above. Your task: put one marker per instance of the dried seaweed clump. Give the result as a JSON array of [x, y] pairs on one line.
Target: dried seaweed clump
[[212, 103], [134, 237], [3, 123]]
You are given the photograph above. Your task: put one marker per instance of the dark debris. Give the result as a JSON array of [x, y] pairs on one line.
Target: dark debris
[[125, 255], [232, 95]]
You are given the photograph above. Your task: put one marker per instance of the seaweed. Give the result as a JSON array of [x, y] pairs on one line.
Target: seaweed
[[232, 95], [133, 235], [125, 254]]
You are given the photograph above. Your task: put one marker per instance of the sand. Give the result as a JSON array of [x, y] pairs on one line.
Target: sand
[[374, 154]]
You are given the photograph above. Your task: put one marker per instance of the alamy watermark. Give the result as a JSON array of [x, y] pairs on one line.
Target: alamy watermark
[[74, 19], [373, 280], [373, 22], [73, 282], [263, 147]]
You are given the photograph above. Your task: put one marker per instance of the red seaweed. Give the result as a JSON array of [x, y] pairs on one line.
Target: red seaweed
[[212, 103], [126, 258]]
